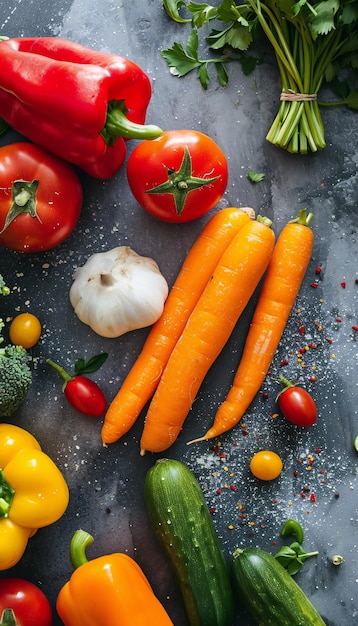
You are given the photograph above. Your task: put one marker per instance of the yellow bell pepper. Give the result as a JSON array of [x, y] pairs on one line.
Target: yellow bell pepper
[[33, 492], [110, 590]]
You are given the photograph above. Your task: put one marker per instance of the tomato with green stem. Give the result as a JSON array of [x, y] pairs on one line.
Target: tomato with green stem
[[179, 176], [25, 330], [296, 404], [23, 603], [40, 198], [82, 393]]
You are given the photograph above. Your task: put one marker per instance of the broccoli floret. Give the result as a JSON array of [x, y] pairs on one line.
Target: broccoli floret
[[15, 378], [4, 290]]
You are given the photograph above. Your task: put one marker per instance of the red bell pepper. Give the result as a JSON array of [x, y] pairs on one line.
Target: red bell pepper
[[78, 103]]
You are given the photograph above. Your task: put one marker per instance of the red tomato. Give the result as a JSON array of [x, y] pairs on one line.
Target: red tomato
[[298, 406], [85, 396], [40, 198], [179, 176], [28, 603]]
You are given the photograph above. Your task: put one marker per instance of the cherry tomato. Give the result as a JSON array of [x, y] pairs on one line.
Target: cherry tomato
[[25, 330], [85, 396], [266, 465], [40, 198], [298, 406], [179, 176], [28, 603]]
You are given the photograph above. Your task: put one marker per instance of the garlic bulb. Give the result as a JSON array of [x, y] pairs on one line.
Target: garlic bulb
[[118, 291]]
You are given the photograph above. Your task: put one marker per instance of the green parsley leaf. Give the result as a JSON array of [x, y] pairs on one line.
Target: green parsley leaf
[[172, 9], [202, 13], [222, 74], [182, 61], [255, 177]]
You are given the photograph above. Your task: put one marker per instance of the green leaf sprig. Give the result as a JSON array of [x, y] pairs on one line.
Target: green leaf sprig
[[313, 43], [292, 557]]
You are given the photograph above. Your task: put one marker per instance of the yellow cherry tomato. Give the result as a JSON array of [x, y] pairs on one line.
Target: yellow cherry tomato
[[266, 465], [25, 330]]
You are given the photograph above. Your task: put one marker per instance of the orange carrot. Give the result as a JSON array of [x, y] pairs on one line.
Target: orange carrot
[[282, 282], [143, 378], [208, 328]]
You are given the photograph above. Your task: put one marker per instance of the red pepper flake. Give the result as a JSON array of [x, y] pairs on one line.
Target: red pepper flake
[[212, 509], [313, 379], [318, 270], [356, 281], [329, 340], [355, 328], [343, 284], [218, 491], [233, 488], [301, 330], [338, 320], [303, 495], [299, 460], [321, 471], [302, 351], [313, 497], [314, 285], [265, 395], [274, 543], [245, 432], [295, 473], [242, 516], [274, 501], [318, 450], [283, 362]]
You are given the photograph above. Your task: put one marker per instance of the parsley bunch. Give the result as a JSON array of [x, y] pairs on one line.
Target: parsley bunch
[[313, 43]]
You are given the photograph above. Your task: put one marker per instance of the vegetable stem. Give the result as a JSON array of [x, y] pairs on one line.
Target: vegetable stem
[[79, 542]]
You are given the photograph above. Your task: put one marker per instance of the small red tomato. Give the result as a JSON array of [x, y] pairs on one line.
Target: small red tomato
[[81, 392], [40, 198], [85, 396], [179, 176], [23, 603], [298, 406]]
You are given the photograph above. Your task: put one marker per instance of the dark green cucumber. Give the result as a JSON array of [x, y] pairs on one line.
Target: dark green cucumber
[[268, 591], [182, 522]]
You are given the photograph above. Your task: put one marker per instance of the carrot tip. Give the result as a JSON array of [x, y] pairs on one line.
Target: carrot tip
[[142, 452], [204, 438]]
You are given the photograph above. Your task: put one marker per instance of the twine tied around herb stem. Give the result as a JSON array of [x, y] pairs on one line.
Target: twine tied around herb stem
[[293, 96]]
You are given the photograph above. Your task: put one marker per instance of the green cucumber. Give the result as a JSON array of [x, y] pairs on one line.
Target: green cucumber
[[268, 591], [181, 520]]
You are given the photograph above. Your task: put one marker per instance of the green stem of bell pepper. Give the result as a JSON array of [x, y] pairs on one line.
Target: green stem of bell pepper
[[6, 496], [118, 125]]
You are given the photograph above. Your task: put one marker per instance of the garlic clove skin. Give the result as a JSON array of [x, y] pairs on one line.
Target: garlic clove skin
[[117, 291]]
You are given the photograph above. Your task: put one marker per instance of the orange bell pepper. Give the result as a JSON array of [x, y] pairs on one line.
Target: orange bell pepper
[[110, 590]]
